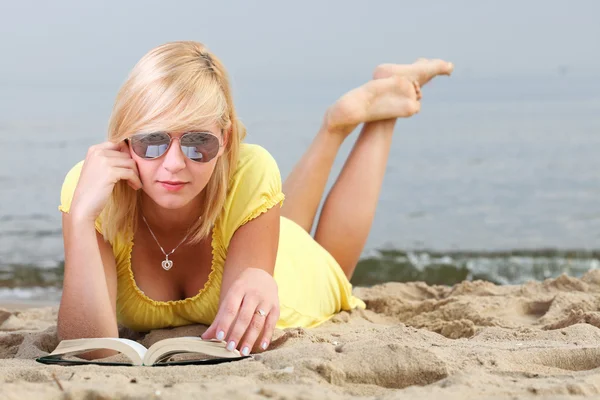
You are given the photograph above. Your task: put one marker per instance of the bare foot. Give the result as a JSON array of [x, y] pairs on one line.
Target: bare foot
[[395, 92], [385, 98], [423, 70]]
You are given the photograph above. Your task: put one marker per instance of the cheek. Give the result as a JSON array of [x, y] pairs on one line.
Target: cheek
[[202, 176], [145, 171]]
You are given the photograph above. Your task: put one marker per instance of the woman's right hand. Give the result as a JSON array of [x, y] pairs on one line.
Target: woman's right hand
[[105, 164]]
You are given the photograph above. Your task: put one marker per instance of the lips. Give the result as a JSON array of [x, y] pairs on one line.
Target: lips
[[173, 182], [172, 186]]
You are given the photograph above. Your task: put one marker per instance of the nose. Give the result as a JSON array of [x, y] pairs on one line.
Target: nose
[[174, 159]]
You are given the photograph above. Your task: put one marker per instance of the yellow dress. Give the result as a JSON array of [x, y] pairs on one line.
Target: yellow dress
[[312, 285]]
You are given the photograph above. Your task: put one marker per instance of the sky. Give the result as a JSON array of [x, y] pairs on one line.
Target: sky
[[63, 61], [73, 42]]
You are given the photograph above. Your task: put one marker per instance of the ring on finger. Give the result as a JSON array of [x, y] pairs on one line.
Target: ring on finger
[[261, 312]]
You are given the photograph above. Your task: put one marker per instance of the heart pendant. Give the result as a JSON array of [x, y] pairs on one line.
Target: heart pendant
[[167, 264]]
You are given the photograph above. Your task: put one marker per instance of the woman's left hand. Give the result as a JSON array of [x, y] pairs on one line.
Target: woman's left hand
[[248, 312]]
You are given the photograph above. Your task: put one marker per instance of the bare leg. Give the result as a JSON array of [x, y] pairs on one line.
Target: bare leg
[[304, 186], [349, 209], [379, 99]]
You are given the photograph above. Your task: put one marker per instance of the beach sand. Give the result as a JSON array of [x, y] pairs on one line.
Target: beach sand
[[474, 340]]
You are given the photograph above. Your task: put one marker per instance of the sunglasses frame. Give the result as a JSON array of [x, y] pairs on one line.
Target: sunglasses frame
[[171, 138]]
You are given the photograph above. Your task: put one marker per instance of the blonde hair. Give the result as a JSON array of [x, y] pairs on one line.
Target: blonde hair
[[174, 87]]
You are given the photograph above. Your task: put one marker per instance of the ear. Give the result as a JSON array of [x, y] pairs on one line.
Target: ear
[[226, 135], [124, 146]]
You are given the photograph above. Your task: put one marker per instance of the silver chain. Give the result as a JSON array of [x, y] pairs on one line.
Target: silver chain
[[166, 264]]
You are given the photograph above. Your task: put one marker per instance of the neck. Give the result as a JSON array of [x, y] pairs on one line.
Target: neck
[[165, 221]]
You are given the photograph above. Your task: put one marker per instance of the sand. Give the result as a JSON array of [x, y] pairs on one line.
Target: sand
[[474, 340]]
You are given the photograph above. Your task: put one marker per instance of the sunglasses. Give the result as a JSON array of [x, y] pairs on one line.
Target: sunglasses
[[197, 146]]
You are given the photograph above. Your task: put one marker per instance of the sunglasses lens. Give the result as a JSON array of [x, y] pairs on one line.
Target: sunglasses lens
[[197, 146], [200, 146], [150, 145]]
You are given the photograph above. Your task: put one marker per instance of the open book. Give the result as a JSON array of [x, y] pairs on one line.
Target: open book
[[201, 351]]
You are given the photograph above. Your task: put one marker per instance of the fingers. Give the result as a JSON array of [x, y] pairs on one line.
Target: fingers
[[245, 322], [122, 162], [117, 155], [105, 164], [109, 149], [123, 152], [257, 325], [211, 332], [269, 328], [242, 323], [129, 175], [100, 147], [225, 316], [125, 169]]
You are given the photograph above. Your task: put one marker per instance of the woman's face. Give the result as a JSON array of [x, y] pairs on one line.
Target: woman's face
[[173, 180]]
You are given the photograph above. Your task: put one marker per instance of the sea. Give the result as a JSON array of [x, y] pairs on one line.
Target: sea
[[497, 178]]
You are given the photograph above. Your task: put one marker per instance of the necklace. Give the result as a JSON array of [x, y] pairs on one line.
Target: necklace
[[166, 263]]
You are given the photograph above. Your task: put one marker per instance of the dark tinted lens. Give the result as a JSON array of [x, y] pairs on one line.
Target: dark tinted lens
[[150, 145], [200, 146]]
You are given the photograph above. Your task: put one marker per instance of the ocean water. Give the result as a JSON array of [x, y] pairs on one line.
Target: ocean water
[[497, 178]]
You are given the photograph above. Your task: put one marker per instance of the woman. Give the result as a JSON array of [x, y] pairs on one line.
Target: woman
[[175, 221]]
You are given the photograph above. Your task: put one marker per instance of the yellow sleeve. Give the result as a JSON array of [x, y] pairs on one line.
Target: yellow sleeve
[[254, 188], [68, 189]]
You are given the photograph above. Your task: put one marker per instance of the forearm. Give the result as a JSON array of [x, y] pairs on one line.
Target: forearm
[[85, 308], [245, 251]]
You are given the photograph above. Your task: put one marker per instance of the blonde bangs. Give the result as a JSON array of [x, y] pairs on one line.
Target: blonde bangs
[[177, 102]]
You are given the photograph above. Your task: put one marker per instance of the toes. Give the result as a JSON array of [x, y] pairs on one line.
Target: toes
[[405, 86], [414, 107], [427, 69], [417, 90], [443, 67], [437, 66], [423, 70]]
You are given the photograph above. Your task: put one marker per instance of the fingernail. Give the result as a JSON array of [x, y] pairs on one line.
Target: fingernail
[[264, 345], [231, 345], [245, 351], [220, 335]]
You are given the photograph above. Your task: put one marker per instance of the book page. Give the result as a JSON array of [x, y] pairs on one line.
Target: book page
[[188, 344], [133, 350]]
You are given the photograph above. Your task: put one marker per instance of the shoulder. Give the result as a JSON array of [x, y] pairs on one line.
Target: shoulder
[[255, 166], [254, 188], [69, 185], [253, 157], [74, 172]]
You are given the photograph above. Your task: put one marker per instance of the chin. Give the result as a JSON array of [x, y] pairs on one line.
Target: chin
[[172, 203], [173, 200]]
